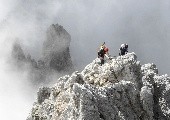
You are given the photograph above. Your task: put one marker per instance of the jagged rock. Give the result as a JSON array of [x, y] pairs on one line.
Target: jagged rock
[[56, 49], [121, 89], [56, 53], [56, 56], [20, 58], [31, 61], [43, 93]]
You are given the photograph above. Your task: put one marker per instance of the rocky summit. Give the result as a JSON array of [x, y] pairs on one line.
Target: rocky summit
[[121, 89]]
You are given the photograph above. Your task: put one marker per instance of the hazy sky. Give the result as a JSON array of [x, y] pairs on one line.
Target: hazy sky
[[144, 25]]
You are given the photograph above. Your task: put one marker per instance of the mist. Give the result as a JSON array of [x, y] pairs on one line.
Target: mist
[[144, 25]]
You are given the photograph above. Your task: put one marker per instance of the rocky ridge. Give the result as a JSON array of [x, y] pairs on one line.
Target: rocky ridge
[[121, 89], [56, 56]]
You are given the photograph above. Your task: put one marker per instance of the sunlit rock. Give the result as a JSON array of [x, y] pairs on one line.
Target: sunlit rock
[[121, 89]]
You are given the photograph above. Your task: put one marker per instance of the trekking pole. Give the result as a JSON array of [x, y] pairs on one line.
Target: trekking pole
[[103, 44]]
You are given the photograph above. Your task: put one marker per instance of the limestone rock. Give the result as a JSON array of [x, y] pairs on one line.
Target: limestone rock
[[121, 89]]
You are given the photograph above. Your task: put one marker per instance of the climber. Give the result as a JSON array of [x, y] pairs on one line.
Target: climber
[[123, 49], [103, 52]]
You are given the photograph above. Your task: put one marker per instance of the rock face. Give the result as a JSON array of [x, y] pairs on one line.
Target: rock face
[[56, 49], [56, 56], [56, 53], [121, 89]]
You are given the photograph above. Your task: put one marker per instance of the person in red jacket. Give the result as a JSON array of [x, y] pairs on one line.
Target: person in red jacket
[[103, 52]]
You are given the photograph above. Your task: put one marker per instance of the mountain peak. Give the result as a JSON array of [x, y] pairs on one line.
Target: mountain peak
[[121, 89]]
